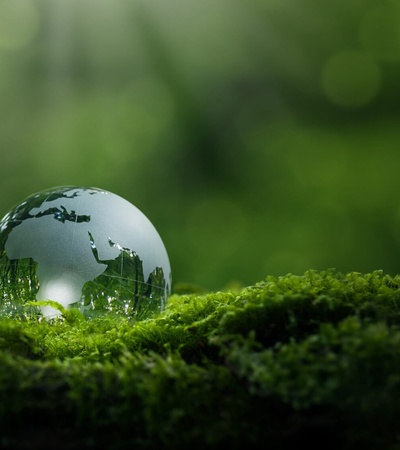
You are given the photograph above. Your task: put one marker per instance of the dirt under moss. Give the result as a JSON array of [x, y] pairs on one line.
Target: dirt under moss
[[293, 360]]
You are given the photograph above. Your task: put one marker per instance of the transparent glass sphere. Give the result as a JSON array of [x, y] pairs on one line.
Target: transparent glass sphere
[[83, 248]]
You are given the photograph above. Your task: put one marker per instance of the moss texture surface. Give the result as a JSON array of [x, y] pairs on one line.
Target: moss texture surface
[[290, 361]]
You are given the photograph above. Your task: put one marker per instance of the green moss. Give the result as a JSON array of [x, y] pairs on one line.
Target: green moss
[[292, 360]]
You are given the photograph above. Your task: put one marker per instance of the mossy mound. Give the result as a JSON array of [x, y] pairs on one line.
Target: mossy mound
[[290, 361]]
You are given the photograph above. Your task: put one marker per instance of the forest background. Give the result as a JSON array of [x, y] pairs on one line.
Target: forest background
[[260, 137]]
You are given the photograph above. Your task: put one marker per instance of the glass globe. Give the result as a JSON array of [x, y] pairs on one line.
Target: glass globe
[[83, 248]]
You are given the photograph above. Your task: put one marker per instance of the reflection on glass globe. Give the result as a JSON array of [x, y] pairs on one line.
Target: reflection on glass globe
[[83, 248]]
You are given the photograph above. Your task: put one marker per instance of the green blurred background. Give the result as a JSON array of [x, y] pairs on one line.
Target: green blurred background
[[260, 136]]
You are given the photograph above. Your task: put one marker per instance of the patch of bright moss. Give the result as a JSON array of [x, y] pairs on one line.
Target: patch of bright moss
[[292, 360]]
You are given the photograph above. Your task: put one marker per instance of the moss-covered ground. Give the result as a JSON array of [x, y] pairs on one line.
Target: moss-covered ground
[[288, 362]]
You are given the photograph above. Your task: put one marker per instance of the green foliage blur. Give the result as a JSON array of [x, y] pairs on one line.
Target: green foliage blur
[[261, 137]]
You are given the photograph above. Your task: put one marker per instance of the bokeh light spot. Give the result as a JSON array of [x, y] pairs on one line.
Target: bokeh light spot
[[380, 32], [351, 79], [19, 23]]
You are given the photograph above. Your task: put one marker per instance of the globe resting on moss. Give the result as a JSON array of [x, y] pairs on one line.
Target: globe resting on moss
[[83, 248]]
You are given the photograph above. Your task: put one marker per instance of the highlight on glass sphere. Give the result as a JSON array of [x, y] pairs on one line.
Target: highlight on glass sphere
[[84, 248]]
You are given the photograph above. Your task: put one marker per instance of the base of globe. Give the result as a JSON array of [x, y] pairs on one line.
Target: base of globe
[[20, 289]]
